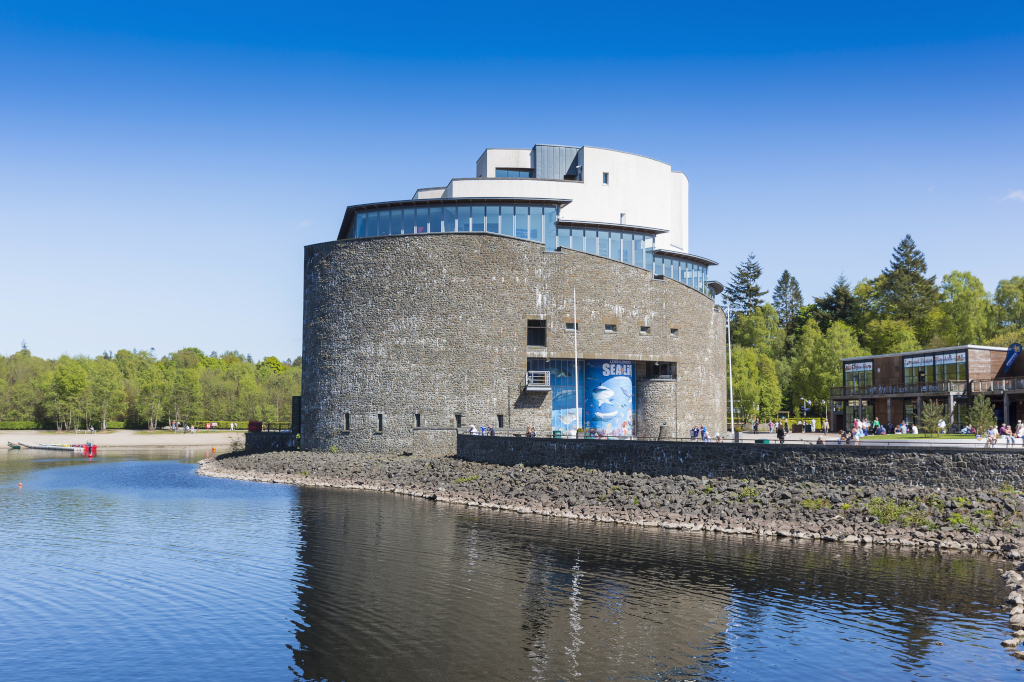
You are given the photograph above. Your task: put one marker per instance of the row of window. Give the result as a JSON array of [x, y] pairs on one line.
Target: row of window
[[535, 223], [537, 331], [417, 420]]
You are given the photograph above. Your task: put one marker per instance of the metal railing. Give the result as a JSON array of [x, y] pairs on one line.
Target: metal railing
[[997, 385], [945, 387]]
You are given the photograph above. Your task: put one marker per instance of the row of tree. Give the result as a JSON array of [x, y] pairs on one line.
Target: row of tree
[[786, 352], [136, 388]]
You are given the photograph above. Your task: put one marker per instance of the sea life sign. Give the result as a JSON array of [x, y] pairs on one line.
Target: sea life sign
[[1011, 354], [610, 397]]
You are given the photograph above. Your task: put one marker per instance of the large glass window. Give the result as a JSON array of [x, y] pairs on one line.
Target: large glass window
[[464, 218], [513, 173], [492, 219], [478, 218], [858, 375], [602, 243], [371, 224], [919, 370], [550, 233], [577, 239], [522, 222], [409, 221], [360, 225], [591, 237], [615, 246], [422, 220], [537, 223], [435, 219], [507, 225], [449, 218]]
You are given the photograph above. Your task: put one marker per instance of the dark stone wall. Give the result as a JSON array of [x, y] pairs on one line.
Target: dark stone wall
[[435, 325], [269, 441], [946, 467]]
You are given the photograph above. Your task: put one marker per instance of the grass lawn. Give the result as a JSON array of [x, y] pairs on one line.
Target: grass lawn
[[894, 436]]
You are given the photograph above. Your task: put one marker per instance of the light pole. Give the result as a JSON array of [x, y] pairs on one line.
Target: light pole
[[728, 336]]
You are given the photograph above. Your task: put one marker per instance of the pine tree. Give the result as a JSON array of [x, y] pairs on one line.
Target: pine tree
[[787, 298], [902, 292], [839, 305], [743, 292]]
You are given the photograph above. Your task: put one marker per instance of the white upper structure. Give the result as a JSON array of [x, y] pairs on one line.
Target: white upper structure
[[603, 186]]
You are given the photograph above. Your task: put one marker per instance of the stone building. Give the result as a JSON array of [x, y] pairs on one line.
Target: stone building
[[553, 291]]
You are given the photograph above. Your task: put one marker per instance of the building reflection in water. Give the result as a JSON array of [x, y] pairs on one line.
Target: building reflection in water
[[398, 588]]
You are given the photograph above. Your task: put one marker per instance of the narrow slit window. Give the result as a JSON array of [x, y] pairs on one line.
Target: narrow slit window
[[380, 422], [604, 178], [348, 421], [458, 421], [417, 420], [501, 421]]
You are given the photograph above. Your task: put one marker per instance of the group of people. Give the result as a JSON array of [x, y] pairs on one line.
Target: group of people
[[701, 433], [482, 431], [1004, 433]]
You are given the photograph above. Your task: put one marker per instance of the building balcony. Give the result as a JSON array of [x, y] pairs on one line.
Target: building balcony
[[901, 390], [538, 381], [1009, 385]]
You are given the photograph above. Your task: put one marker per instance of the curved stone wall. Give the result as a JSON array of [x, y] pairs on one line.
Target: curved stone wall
[[435, 325]]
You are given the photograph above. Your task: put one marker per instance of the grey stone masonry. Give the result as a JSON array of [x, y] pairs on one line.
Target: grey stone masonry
[[429, 331], [269, 441], [943, 467]]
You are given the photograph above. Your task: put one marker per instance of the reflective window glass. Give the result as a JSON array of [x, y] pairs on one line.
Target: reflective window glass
[[638, 251], [648, 253], [602, 243], [577, 239], [371, 224], [507, 225], [391, 221], [615, 246], [422, 220], [550, 232], [464, 218], [435, 219], [627, 248], [522, 222], [478, 218], [591, 241], [409, 221], [449, 218], [360, 224], [492, 219], [659, 266], [564, 237], [537, 223]]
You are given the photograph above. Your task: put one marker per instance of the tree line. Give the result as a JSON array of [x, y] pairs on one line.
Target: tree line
[[134, 389], [786, 352]]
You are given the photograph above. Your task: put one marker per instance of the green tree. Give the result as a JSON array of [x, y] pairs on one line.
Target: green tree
[[890, 336], [107, 386], [67, 383], [152, 391], [818, 360], [761, 330], [966, 307], [980, 414], [743, 292], [839, 305], [903, 291], [185, 393], [271, 363], [931, 412], [769, 394], [787, 299], [744, 382], [1009, 301], [1005, 336]]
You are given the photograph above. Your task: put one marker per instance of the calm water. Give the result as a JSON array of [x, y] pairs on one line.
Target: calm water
[[134, 568]]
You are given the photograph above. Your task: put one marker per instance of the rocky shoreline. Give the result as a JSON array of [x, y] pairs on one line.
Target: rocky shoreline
[[893, 514]]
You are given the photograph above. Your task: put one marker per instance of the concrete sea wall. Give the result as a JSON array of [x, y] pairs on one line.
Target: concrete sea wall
[[945, 467]]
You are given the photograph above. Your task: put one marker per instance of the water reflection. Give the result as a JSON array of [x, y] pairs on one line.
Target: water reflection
[[399, 588]]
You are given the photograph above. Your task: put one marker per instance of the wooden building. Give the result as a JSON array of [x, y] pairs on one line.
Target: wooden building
[[893, 387]]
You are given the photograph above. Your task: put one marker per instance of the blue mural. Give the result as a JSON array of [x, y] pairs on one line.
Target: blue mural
[[610, 392], [607, 395]]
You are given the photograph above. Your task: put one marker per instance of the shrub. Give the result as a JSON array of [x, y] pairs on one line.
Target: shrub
[[815, 503], [749, 493], [20, 426]]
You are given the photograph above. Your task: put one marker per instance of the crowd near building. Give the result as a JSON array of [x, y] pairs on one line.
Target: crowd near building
[[893, 388], [553, 292]]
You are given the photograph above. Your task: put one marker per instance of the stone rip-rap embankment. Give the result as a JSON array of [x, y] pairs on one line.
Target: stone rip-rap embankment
[[893, 514]]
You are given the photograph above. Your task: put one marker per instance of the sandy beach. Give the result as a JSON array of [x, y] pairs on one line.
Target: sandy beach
[[125, 438]]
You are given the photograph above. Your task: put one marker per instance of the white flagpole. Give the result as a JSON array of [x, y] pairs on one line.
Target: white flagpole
[[576, 359]]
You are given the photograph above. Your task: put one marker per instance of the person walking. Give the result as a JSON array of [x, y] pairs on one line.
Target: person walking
[[780, 433]]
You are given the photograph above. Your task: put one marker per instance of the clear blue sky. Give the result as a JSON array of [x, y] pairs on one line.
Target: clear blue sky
[[163, 164]]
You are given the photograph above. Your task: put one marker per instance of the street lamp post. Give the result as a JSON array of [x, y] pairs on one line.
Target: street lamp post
[[728, 336]]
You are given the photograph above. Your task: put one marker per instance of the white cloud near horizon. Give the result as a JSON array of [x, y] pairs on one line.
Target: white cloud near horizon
[[1015, 195]]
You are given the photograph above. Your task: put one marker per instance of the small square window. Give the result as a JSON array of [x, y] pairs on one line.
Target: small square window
[[611, 327], [673, 332], [604, 178], [570, 326], [645, 330], [536, 333]]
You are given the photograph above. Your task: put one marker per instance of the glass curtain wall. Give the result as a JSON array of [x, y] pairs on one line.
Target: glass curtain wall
[[691, 274], [858, 374], [925, 369], [536, 223]]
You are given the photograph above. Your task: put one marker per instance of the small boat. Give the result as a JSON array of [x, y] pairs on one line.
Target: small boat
[[61, 448], [13, 446]]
